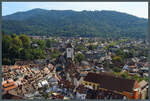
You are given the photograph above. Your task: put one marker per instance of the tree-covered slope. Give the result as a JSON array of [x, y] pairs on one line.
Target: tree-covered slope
[[72, 23]]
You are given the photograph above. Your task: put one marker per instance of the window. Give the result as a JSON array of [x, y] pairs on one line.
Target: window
[[93, 86]]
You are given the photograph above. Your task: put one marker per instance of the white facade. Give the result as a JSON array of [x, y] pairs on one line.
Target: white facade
[[90, 87], [70, 53], [80, 96], [43, 83], [76, 83], [39, 85], [68, 77]]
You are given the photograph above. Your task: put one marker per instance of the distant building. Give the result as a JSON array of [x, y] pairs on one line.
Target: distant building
[[9, 85], [81, 92], [11, 96], [125, 67], [43, 84], [34, 45], [143, 89]]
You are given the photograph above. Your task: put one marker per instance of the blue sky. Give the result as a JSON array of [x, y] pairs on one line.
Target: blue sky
[[139, 9]]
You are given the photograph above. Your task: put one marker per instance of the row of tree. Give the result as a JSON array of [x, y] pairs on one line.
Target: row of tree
[[126, 75], [20, 48]]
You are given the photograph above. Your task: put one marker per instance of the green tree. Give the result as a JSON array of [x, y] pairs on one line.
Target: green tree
[[13, 35], [37, 54], [6, 61], [106, 64], [79, 57], [117, 60], [49, 43], [6, 43], [125, 75], [41, 43], [16, 47], [14, 52], [17, 42], [116, 69], [133, 52], [55, 54], [25, 54], [81, 47], [126, 55], [136, 77], [92, 47], [25, 41], [119, 52], [3, 33]]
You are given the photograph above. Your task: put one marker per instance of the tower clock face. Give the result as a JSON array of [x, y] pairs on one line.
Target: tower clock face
[[69, 50]]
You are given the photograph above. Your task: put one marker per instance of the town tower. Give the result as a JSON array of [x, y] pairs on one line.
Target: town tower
[[69, 51]]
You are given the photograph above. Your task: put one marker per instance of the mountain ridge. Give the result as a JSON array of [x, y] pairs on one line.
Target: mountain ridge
[[73, 23], [40, 9]]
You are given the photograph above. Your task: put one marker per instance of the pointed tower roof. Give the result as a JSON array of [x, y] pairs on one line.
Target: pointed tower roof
[[69, 45]]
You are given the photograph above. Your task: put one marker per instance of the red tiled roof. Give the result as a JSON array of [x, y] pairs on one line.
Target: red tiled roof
[[133, 66], [9, 88], [111, 82], [8, 84]]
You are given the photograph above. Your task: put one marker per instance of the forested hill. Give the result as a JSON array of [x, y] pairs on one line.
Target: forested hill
[[73, 23]]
